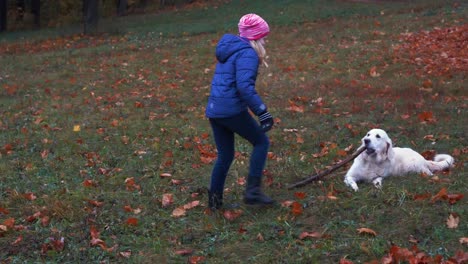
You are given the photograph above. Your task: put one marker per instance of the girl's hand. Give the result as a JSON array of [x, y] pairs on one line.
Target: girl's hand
[[266, 121]]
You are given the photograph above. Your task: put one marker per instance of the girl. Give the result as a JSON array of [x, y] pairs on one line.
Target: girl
[[232, 95]]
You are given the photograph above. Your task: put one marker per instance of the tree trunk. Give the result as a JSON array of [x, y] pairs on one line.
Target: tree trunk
[[3, 15], [36, 10], [90, 15], [121, 7]]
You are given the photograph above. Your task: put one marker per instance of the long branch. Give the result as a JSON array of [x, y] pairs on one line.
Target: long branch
[[319, 175]]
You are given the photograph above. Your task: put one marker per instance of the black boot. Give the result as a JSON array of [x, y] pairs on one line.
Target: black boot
[[253, 193], [215, 200]]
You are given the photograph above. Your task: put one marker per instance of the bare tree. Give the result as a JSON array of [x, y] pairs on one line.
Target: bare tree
[[3, 15], [36, 10], [90, 15], [121, 7]]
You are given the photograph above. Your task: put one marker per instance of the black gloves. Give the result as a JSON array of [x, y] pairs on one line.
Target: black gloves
[[266, 121]]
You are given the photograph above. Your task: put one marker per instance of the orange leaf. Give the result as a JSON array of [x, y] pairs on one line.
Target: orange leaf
[[95, 203], [442, 194], [310, 234], [89, 183], [196, 259], [17, 241], [364, 230], [4, 211], [191, 205], [30, 196], [93, 232], [9, 222], [300, 195], [132, 221], [45, 220], [178, 212], [425, 116], [420, 197], [345, 261], [296, 208], [232, 214], [453, 198]]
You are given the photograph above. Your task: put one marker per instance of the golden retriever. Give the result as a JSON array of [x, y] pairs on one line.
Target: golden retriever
[[381, 160]]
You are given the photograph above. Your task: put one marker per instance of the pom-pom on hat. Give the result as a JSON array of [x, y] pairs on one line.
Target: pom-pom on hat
[[253, 27]]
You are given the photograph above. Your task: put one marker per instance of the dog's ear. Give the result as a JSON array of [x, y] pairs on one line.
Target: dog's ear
[[389, 151]]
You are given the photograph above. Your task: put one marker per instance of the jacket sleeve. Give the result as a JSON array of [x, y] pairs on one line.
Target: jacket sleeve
[[246, 75]]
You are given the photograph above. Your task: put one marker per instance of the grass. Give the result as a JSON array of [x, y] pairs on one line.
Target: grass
[[137, 94]]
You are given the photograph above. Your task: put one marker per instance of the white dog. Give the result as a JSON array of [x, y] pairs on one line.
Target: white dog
[[381, 159]]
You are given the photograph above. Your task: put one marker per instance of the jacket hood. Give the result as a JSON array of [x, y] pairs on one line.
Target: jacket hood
[[230, 44]]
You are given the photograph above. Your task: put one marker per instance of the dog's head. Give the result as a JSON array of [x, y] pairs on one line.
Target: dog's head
[[378, 145]]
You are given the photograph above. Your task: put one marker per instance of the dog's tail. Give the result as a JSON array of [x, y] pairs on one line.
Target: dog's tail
[[441, 162]]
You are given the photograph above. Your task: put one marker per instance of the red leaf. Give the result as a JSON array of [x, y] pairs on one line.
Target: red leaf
[[300, 195], [30, 196], [132, 221], [4, 211], [425, 116], [345, 261], [17, 241], [196, 259], [296, 208]]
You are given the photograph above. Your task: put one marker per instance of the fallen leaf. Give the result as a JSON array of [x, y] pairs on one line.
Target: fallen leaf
[[463, 240], [132, 221], [304, 235], [9, 222], [373, 72], [345, 261], [296, 208], [165, 175], [300, 195], [184, 252], [364, 230], [453, 198], [178, 212], [442, 194], [125, 254], [452, 221], [191, 205], [167, 199], [232, 214], [30, 196], [196, 259], [17, 241]]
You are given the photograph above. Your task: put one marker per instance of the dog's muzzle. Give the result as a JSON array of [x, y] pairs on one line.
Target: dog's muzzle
[[369, 150]]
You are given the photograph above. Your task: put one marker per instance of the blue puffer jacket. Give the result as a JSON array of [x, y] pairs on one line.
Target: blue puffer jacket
[[233, 85]]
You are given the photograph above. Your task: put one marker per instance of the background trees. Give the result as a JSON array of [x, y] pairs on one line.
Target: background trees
[[32, 14]]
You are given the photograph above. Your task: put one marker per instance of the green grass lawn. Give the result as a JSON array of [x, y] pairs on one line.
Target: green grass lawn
[[103, 138]]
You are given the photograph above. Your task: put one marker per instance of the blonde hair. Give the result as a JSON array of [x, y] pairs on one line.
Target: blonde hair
[[258, 47]]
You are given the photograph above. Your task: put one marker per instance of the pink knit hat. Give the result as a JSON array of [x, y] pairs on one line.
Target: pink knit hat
[[253, 27]]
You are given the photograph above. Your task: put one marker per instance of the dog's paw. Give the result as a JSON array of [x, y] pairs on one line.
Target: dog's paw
[[377, 183], [351, 184]]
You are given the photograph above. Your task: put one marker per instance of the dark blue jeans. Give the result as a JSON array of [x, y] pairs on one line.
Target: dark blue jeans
[[224, 130]]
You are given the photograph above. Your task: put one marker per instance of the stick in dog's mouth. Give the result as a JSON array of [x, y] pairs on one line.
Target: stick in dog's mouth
[[330, 170]]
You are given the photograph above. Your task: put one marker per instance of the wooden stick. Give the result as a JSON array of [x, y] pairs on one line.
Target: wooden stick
[[328, 171]]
